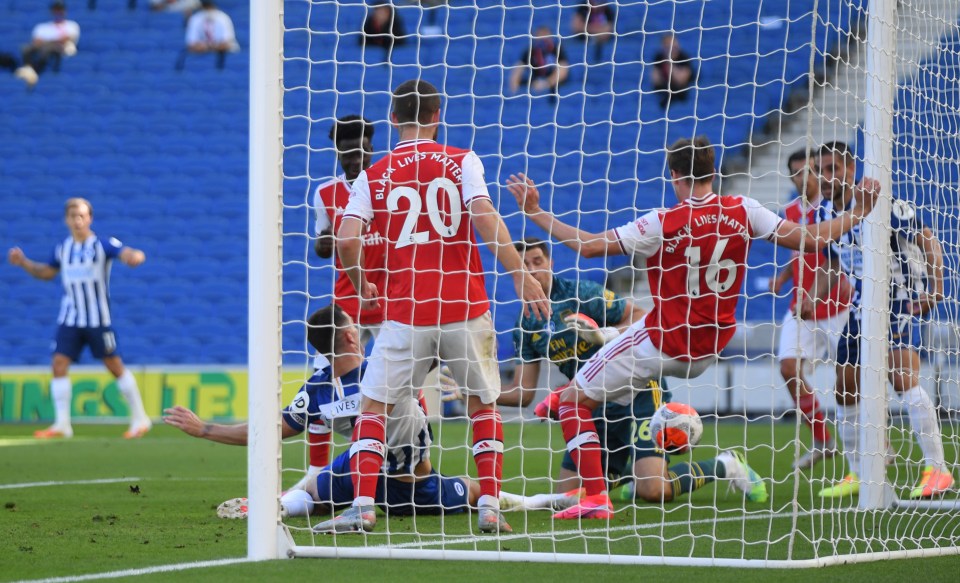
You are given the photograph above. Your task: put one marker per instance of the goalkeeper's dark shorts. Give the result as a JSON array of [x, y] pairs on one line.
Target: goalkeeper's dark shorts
[[434, 494], [905, 332]]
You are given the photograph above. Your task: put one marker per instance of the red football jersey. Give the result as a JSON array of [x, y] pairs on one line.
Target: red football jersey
[[417, 197], [696, 258], [330, 201], [839, 297]]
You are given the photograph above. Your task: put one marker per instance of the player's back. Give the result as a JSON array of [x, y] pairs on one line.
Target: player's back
[[696, 275], [420, 194]]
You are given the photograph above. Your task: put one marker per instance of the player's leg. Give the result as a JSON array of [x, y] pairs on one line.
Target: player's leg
[[846, 392], [905, 373], [393, 367], [799, 344], [469, 350], [67, 347], [103, 346]]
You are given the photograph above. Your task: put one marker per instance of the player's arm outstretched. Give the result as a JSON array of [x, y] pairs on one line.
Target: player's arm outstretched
[[187, 421], [491, 228], [15, 256], [587, 244], [817, 236]]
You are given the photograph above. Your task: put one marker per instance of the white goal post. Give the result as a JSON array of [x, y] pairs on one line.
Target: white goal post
[[827, 532]]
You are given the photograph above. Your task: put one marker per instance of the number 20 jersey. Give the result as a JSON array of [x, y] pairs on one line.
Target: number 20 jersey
[[418, 197], [696, 259]]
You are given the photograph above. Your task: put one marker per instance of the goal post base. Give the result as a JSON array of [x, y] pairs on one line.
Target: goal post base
[[945, 505], [383, 552]]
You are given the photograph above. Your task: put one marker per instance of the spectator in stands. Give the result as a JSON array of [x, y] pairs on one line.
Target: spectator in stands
[[543, 67], [383, 28], [673, 73], [50, 40], [595, 21], [210, 30]]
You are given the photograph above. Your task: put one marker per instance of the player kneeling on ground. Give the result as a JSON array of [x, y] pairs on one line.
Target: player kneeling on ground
[[329, 401]]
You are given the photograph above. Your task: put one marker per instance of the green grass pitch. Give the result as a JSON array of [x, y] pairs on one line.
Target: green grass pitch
[[155, 499]]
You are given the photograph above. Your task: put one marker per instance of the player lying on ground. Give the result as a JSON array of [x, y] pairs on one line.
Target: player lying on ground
[[427, 198], [804, 341], [916, 287], [329, 401], [83, 261], [696, 255], [584, 316]]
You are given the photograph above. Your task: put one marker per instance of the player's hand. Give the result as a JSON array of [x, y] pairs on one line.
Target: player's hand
[[133, 257], [866, 195], [588, 329], [369, 296], [449, 390], [806, 308], [535, 302], [525, 192], [16, 257], [923, 304], [184, 419]]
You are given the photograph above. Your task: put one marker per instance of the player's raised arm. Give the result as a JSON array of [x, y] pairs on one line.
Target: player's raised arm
[[583, 242], [817, 236], [132, 257], [15, 256]]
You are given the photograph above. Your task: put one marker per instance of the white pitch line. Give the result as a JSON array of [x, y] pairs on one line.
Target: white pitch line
[[138, 572], [67, 483], [648, 526]]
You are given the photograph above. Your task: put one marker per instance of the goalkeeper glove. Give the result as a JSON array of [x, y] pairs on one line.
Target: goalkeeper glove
[[449, 390], [588, 329]]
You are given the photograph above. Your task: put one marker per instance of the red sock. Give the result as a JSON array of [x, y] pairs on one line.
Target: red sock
[[583, 443], [813, 417], [488, 450], [319, 445], [367, 453]]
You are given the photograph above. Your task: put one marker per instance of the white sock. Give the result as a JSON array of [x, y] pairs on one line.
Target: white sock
[[61, 389], [297, 503], [924, 422], [846, 428], [363, 501], [127, 384], [487, 501], [535, 502]]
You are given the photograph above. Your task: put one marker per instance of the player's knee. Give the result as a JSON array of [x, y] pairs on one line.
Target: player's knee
[[654, 490]]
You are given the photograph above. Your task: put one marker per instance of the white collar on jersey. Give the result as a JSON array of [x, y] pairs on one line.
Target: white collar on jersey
[[701, 199], [411, 142]]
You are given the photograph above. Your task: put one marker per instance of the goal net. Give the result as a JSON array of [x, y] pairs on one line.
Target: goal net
[[762, 80]]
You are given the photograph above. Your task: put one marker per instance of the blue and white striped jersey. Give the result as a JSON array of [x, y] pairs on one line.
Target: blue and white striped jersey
[[908, 273], [85, 273]]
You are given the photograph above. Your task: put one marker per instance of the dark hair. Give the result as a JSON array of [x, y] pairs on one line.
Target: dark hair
[[529, 243], [323, 327], [415, 100], [798, 156], [351, 127], [692, 159], [57, 5], [839, 149]]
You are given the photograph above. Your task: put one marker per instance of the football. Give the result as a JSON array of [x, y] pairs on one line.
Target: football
[[676, 428]]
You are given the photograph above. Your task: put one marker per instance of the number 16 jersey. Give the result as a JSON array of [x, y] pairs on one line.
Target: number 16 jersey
[[418, 197], [697, 258]]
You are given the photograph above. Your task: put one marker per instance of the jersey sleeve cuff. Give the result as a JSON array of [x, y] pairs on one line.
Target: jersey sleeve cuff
[[295, 422], [616, 233], [356, 216]]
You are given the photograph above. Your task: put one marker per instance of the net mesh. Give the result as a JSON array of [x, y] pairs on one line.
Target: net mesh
[[766, 79]]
